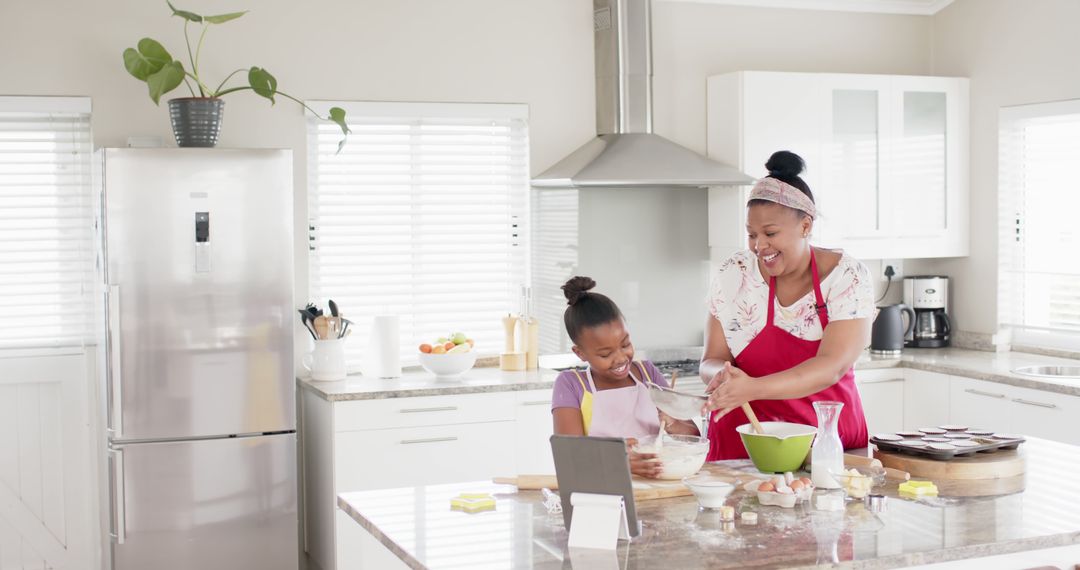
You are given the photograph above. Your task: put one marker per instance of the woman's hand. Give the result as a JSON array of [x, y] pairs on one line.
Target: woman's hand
[[734, 389], [643, 464]]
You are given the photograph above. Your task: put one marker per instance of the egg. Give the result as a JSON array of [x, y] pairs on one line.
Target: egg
[[767, 487], [806, 481], [797, 485]]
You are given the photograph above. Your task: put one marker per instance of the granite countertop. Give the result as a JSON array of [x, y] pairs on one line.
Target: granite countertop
[[417, 525], [990, 366]]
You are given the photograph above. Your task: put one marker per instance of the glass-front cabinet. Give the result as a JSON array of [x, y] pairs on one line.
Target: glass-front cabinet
[[885, 156], [851, 195]]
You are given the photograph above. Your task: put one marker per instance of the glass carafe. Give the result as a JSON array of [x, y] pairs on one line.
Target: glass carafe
[[827, 455]]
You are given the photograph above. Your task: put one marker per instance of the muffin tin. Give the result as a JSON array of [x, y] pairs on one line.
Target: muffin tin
[[946, 442]]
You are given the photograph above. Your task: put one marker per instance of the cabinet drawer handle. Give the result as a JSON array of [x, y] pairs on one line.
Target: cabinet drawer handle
[[1032, 403], [981, 393], [415, 410], [536, 403], [429, 440]]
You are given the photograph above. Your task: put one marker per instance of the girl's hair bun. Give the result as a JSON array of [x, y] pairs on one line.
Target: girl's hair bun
[[577, 288], [784, 164]]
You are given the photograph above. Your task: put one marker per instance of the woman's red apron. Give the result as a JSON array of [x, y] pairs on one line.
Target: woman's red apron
[[775, 350]]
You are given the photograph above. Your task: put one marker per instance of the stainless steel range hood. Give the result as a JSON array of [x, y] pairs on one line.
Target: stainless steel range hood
[[626, 152]]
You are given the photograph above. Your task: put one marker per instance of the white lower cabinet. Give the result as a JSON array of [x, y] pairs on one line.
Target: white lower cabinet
[[882, 394], [533, 431], [1044, 414], [980, 404], [1004, 408], [926, 399]]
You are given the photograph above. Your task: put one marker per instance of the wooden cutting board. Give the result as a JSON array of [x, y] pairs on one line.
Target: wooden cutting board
[[983, 474], [644, 489]]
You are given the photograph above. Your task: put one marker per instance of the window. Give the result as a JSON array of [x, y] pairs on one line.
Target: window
[[1039, 292], [422, 215], [46, 222]]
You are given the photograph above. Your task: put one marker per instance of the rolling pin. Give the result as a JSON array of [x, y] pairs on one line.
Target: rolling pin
[[860, 461], [529, 482], [863, 461]]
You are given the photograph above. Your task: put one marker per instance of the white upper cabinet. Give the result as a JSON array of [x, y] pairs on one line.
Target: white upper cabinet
[[886, 157]]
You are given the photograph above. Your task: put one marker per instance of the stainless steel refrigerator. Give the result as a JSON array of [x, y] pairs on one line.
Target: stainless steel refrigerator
[[198, 388]]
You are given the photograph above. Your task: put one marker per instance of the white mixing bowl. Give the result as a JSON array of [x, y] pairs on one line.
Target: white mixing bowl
[[447, 365]]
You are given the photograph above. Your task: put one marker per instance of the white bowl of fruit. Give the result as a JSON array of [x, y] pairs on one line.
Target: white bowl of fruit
[[448, 356]]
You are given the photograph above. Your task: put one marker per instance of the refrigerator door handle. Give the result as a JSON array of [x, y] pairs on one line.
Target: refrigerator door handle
[[113, 399], [117, 518]]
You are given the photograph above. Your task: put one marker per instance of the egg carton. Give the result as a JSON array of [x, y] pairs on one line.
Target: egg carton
[[946, 442]]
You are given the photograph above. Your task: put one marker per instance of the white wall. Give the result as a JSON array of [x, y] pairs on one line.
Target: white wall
[[537, 52], [1014, 53]]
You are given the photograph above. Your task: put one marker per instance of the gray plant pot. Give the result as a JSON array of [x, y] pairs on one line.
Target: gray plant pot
[[196, 121]]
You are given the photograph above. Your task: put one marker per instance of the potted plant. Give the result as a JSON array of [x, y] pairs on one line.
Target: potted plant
[[196, 120]]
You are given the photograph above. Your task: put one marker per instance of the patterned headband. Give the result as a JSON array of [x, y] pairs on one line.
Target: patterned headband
[[773, 190]]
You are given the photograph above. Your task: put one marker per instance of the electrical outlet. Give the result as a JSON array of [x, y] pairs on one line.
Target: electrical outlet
[[897, 267]]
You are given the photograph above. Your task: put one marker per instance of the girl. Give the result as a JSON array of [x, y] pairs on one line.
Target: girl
[[610, 398]]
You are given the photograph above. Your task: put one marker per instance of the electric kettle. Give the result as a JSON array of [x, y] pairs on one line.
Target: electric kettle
[[888, 331]]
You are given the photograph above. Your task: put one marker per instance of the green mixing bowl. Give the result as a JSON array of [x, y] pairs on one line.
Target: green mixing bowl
[[783, 446]]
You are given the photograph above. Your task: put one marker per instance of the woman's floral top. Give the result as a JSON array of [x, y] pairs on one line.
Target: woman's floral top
[[738, 295]]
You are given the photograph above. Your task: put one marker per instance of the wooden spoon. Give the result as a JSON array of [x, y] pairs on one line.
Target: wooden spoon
[[753, 418], [322, 327], [674, 377]]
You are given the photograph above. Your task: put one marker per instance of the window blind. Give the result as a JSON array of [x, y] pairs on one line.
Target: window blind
[[46, 222], [1039, 289], [423, 215]]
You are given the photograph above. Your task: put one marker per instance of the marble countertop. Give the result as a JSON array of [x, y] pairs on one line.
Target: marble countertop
[[990, 366], [417, 525]]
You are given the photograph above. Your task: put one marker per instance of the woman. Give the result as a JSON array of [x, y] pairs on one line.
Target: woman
[[788, 320]]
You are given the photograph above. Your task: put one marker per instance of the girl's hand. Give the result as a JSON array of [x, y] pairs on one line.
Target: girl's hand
[[643, 464], [680, 427], [736, 389]]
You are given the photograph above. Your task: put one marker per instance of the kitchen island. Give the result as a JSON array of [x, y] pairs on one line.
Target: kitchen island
[[417, 525]]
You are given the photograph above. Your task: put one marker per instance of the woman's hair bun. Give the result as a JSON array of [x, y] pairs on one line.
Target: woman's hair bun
[[577, 288], [785, 164]]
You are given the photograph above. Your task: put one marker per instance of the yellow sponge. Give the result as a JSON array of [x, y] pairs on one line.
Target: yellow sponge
[[918, 489], [473, 502]]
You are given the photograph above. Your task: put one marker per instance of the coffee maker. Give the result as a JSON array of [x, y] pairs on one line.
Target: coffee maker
[[928, 295]]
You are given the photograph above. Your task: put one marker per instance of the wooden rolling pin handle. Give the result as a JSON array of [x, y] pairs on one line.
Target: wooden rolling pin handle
[[897, 474], [860, 461]]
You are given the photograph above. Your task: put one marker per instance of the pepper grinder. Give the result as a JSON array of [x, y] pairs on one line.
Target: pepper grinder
[[532, 334], [510, 359]]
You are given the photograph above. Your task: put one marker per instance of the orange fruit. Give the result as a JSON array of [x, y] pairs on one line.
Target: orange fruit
[[425, 348], [440, 349]]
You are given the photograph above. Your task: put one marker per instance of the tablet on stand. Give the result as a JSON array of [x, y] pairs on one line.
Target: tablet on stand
[[596, 465]]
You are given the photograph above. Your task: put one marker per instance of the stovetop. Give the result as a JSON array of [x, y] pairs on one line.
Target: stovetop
[[686, 367]]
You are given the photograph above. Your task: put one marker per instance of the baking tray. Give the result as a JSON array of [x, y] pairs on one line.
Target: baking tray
[[964, 442]]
